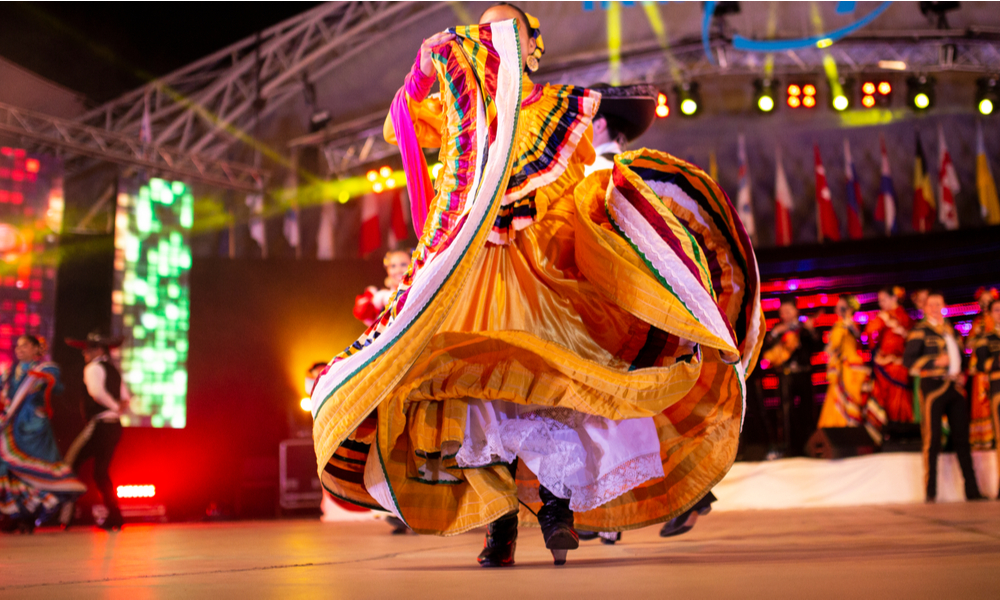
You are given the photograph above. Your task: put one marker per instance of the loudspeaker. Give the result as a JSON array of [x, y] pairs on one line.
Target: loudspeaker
[[901, 437], [840, 442]]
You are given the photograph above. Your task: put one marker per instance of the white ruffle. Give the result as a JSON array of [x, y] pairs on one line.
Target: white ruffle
[[587, 459]]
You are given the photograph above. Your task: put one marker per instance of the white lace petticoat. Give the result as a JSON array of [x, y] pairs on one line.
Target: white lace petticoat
[[589, 460]]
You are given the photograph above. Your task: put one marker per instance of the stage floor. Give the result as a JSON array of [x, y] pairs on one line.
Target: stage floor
[[894, 551]]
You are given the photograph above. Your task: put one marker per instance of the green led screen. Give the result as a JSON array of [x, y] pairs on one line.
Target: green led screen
[[151, 300]]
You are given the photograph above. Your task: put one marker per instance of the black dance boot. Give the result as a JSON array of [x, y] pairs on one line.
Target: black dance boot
[[556, 520], [114, 521], [501, 539]]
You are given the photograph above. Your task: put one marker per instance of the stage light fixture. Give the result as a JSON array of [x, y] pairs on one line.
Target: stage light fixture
[[764, 92], [390, 183], [840, 102], [690, 99], [306, 404], [987, 95], [385, 171], [884, 88], [377, 187], [876, 93], [372, 175], [436, 170], [801, 95], [920, 92], [662, 108], [842, 92], [135, 491]]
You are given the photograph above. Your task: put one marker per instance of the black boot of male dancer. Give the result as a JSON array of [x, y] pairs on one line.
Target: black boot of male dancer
[[556, 520]]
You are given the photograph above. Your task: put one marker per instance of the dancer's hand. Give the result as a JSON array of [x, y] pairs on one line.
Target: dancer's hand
[[426, 48]]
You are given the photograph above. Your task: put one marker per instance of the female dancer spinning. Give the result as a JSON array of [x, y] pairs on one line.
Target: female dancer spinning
[[34, 480], [578, 345]]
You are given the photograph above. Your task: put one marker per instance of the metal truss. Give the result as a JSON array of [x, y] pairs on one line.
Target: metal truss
[[206, 107], [359, 143], [83, 140], [652, 64]]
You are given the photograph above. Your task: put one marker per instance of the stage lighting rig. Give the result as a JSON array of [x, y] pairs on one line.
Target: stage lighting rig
[[841, 93], [987, 95], [876, 92], [920, 93], [690, 98], [764, 92], [801, 95], [662, 106]]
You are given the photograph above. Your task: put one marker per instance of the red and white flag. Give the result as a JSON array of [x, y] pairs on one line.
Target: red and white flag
[[827, 226], [885, 210], [370, 238], [948, 186], [782, 206], [855, 212]]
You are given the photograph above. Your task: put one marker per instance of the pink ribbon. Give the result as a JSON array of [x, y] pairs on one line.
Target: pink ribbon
[[418, 183]]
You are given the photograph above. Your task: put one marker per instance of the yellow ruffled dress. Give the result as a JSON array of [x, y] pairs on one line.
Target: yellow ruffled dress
[[540, 288]]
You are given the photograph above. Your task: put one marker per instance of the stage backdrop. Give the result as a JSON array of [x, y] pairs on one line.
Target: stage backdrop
[[256, 326]]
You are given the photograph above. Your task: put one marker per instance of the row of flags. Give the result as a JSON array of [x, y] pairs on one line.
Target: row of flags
[[928, 206]]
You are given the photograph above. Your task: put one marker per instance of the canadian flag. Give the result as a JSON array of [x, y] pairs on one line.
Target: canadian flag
[[826, 219], [947, 186], [370, 238], [400, 231], [782, 206]]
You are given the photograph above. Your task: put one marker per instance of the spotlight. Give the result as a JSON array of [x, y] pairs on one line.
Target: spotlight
[[390, 183], [385, 171], [801, 95], [841, 92], [987, 95], [920, 92], [135, 491], [436, 170], [876, 93], [764, 92], [662, 108], [372, 175], [306, 404], [690, 99], [378, 187]]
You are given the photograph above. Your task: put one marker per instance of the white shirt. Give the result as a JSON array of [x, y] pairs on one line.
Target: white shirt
[[94, 378], [601, 162], [954, 357]]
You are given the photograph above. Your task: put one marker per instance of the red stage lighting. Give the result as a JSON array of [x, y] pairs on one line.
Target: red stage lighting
[[801, 95], [31, 165], [662, 108], [884, 88], [136, 491], [868, 101], [794, 102], [868, 88], [809, 89], [809, 101], [794, 90]]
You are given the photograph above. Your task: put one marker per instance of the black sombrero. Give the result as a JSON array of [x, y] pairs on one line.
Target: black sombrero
[[631, 107], [95, 339]]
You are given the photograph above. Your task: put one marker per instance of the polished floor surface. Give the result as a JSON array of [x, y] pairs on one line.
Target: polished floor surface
[[896, 551]]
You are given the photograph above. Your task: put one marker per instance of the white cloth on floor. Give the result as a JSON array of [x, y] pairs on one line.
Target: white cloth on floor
[[588, 459]]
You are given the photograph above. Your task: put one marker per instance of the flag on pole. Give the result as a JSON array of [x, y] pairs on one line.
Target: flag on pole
[[948, 187], [885, 210], [989, 204], [370, 239], [255, 202], [827, 226], [400, 230], [923, 196], [782, 206], [744, 206], [855, 216], [324, 238], [291, 227]]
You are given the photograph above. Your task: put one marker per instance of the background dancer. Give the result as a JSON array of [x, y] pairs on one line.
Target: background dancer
[[932, 353], [789, 347], [106, 397], [369, 305], [978, 385], [34, 480], [887, 333], [987, 354]]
